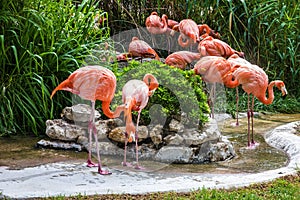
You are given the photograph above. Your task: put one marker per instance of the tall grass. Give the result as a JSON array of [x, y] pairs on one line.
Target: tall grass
[[41, 43]]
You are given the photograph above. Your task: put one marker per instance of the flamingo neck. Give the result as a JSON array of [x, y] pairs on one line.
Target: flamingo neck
[[229, 82], [270, 98], [106, 109], [165, 23]]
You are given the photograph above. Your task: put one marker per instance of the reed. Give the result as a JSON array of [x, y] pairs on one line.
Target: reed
[[41, 43]]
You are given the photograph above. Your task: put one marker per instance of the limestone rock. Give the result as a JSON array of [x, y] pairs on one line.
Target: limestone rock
[[117, 134], [79, 113], [194, 137], [176, 126], [156, 134], [59, 145], [174, 140], [143, 133], [61, 130], [174, 154]]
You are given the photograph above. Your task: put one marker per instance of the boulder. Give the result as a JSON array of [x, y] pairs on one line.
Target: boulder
[[61, 130], [174, 154]]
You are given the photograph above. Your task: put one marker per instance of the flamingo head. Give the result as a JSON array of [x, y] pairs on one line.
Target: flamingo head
[[151, 82], [280, 85]]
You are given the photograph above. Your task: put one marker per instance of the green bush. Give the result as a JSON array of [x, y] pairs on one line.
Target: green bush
[[179, 91]]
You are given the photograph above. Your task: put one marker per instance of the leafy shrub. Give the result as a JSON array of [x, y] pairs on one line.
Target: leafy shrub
[[180, 92]]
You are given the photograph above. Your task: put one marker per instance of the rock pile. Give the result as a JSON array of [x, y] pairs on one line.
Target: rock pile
[[177, 144]]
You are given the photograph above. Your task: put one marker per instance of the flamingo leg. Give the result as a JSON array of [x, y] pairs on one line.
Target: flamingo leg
[[94, 130], [212, 99], [90, 163], [136, 142], [253, 143], [237, 106], [124, 163], [248, 116]]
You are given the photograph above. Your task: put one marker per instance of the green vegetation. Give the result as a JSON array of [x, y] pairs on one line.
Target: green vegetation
[[179, 91], [42, 42]]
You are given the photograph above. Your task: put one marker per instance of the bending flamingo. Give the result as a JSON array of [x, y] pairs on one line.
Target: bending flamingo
[[139, 48], [213, 69], [181, 59], [93, 83], [254, 81], [135, 95]]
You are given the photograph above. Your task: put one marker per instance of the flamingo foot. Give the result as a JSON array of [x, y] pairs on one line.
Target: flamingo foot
[[126, 164], [104, 172], [139, 167], [234, 124], [91, 164], [253, 145]]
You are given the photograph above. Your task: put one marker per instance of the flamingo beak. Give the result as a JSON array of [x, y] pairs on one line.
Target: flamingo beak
[[151, 92], [283, 91], [131, 137]]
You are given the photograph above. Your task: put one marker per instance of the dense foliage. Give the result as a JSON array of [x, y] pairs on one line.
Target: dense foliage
[[42, 42], [179, 93]]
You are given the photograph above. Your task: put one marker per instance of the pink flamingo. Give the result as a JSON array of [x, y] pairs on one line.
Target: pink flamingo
[[189, 32], [205, 30], [235, 60], [93, 83], [213, 69], [210, 46], [135, 95], [254, 81], [139, 48]]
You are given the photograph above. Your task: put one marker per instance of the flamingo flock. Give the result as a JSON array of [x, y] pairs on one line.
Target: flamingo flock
[[216, 62]]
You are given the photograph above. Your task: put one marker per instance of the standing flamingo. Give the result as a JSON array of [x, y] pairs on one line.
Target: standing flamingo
[[181, 59], [235, 60], [157, 26], [254, 81], [93, 83], [139, 48], [210, 46], [135, 95], [213, 69]]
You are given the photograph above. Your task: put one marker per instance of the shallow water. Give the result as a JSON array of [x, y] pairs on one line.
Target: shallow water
[[20, 151]]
